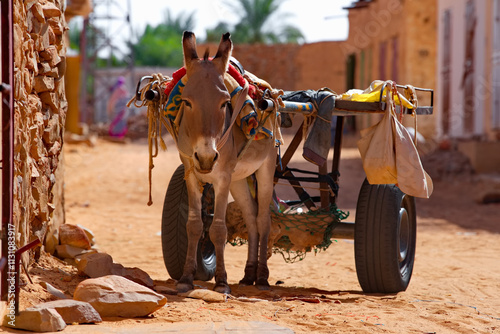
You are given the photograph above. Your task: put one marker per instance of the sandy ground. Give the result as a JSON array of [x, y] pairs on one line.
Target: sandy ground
[[455, 286]]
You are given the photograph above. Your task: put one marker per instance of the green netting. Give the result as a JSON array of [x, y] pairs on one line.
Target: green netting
[[312, 222], [319, 223]]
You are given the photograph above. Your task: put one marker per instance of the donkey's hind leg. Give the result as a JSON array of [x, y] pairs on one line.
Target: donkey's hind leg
[[265, 188], [246, 203]]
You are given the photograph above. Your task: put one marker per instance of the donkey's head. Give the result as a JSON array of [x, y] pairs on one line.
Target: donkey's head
[[205, 102]]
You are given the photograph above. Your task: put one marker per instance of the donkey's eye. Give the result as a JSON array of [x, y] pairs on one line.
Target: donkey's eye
[[225, 104], [187, 103]]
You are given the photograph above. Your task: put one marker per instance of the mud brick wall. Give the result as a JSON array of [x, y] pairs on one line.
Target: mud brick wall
[[39, 114], [396, 40], [292, 66]]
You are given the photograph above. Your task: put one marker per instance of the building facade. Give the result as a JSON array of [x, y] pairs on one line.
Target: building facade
[[393, 40], [468, 79]]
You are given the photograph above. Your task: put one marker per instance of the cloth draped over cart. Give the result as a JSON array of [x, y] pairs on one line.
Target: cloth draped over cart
[[318, 137]]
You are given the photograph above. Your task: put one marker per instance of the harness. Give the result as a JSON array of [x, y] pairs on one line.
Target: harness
[[163, 110]]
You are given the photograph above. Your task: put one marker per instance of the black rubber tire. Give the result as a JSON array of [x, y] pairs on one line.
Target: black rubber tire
[[173, 230], [384, 238]]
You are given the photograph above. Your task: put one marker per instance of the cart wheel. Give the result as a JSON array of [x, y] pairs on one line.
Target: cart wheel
[[384, 238], [173, 229]]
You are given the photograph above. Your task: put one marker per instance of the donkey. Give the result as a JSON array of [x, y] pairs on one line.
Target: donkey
[[206, 117]]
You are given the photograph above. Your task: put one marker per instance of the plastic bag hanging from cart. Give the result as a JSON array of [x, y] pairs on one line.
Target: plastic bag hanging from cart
[[390, 157]]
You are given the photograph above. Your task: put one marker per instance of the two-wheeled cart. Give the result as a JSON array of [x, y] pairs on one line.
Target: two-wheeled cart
[[384, 229]]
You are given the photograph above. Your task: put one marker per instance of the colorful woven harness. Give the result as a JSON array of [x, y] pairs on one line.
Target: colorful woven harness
[[249, 116]]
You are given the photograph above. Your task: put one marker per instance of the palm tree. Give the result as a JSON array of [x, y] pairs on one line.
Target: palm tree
[[254, 23], [159, 45]]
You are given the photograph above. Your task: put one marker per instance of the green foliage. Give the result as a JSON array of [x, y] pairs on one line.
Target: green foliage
[[255, 26], [214, 34], [75, 32], [161, 45]]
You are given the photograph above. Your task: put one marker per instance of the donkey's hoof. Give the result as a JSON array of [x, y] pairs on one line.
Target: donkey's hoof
[[262, 284], [184, 287], [222, 288], [246, 282]]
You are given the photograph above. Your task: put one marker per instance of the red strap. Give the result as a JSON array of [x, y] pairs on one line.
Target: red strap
[[177, 75]]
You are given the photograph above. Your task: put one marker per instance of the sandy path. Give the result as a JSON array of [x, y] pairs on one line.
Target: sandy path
[[455, 286]]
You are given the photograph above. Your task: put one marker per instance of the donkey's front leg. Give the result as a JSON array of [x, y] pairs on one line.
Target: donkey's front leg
[[218, 234], [194, 229]]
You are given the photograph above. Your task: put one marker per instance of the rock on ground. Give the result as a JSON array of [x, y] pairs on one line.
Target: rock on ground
[[74, 236], [95, 264], [43, 320], [115, 296], [72, 311]]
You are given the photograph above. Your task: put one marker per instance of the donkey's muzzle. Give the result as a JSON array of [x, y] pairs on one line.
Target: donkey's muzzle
[[204, 163]]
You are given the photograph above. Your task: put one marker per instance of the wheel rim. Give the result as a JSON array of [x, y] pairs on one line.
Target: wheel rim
[[404, 239], [207, 250]]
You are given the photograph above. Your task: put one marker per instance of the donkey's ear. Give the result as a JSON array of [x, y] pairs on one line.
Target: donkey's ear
[[189, 48], [223, 54]]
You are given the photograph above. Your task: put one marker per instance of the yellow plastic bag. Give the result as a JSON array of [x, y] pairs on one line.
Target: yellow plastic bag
[[372, 94]]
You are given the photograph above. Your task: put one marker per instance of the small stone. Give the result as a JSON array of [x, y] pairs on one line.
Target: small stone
[[69, 252], [115, 296], [51, 55], [206, 295], [71, 234], [44, 320], [138, 276], [166, 290], [72, 311], [56, 26], [43, 83], [50, 10], [55, 149], [37, 11], [49, 99], [89, 234], [95, 264], [51, 133]]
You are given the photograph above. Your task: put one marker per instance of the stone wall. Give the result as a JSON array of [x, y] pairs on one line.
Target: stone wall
[[39, 115]]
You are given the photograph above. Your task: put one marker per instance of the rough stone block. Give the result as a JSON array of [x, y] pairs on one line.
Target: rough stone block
[[69, 252], [95, 265], [50, 10], [138, 276], [74, 236], [115, 296], [37, 11], [44, 320], [56, 26], [51, 55], [72, 311], [53, 130], [43, 83], [49, 99]]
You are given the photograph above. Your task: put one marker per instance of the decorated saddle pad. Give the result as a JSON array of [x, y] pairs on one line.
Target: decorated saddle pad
[[249, 116]]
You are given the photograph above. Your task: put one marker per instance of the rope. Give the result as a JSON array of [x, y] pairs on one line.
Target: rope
[[411, 95], [155, 119]]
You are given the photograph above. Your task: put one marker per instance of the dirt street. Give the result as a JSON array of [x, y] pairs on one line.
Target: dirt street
[[455, 286]]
